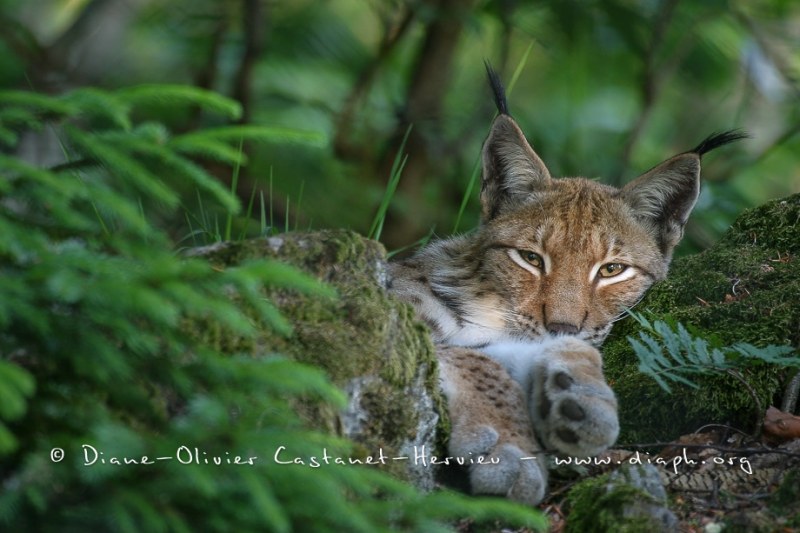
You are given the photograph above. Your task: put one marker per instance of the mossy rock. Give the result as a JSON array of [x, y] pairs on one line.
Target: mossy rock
[[629, 500], [368, 343], [746, 288]]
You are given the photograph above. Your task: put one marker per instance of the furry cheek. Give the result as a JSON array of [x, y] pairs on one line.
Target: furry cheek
[[617, 297]]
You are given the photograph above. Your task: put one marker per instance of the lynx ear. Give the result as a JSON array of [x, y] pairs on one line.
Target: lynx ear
[[665, 195], [511, 169]]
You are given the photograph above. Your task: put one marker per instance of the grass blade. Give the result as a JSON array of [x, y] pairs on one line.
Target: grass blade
[[394, 178], [234, 185], [263, 216]]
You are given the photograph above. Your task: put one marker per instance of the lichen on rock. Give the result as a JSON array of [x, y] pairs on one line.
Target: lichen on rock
[[746, 288], [368, 343]]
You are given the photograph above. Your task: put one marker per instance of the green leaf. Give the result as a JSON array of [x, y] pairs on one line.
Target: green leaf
[[38, 102], [265, 504], [177, 165], [278, 274], [271, 134], [118, 162], [8, 137], [16, 385], [214, 149], [8, 442], [101, 104], [180, 95]]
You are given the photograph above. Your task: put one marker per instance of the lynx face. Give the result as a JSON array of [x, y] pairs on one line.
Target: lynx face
[[569, 261], [552, 256]]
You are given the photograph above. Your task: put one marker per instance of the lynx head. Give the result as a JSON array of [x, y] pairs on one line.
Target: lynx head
[[567, 256]]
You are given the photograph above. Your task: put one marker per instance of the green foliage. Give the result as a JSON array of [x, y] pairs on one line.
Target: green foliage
[[394, 179], [667, 353], [745, 288], [181, 96], [97, 351], [604, 89]]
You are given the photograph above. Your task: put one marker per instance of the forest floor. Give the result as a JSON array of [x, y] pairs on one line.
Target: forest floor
[[723, 480]]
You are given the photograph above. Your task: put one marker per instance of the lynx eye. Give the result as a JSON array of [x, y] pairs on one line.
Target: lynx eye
[[611, 269], [531, 258]]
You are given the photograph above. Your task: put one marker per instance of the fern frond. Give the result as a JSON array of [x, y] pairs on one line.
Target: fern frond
[[776, 355], [667, 354]]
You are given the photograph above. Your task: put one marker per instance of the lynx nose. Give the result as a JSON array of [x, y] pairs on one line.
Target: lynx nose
[[562, 328]]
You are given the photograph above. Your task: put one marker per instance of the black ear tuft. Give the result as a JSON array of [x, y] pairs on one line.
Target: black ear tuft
[[715, 140], [498, 90]]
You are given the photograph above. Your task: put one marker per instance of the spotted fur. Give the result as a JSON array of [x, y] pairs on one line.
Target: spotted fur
[[518, 307]]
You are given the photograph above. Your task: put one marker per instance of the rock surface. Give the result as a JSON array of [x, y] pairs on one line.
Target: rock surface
[[368, 343]]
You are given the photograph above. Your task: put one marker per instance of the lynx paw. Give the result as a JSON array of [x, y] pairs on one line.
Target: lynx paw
[[572, 407], [503, 470], [507, 471], [490, 427]]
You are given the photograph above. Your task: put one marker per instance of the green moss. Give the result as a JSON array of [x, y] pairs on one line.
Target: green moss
[[746, 288], [363, 338], [598, 506], [775, 225], [364, 331]]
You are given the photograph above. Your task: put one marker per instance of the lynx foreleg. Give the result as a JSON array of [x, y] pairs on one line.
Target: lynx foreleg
[[489, 421], [573, 409]]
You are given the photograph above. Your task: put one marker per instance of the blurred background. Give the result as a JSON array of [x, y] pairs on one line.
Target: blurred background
[[603, 89]]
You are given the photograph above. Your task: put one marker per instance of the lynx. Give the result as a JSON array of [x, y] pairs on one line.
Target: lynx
[[518, 307]]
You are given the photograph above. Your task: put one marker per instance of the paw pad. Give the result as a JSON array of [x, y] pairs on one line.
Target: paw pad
[[570, 409], [573, 410], [567, 435], [563, 380]]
